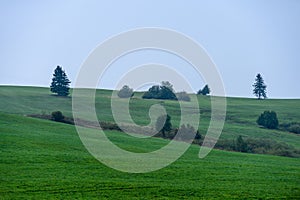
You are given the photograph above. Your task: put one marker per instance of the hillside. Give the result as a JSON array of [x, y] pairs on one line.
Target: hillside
[[45, 159], [240, 120], [42, 159]]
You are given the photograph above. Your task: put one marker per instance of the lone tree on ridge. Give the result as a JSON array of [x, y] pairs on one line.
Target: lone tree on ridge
[[259, 89], [60, 82]]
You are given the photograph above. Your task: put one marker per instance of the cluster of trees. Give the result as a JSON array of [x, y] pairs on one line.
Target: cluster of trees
[[61, 85], [164, 126], [163, 91], [166, 91]]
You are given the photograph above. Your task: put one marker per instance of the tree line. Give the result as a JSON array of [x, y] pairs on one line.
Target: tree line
[[61, 85]]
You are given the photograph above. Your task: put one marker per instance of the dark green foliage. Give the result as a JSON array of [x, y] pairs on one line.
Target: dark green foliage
[[152, 93], [226, 144], [268, 146], [293, 127], [259, 87], [268, 119], [125, 92], [60, 82], [204, 91], [258, 146], [163, 124], [164, 91], [57, 116], [241, 145], [183, 96]]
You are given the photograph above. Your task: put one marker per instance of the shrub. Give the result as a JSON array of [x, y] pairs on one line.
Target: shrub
[[57, 116], [268, 119], [125, 92], [183, 96], [258, 146], [229, 145], [187, 131], [294, 128], [241, 145]]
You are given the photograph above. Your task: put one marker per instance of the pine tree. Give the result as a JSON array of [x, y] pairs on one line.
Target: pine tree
[[259, 87], [204, 91], [60, 82]]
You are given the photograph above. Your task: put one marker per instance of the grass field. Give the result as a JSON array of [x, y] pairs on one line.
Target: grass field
[[240, 120], [42, 159]]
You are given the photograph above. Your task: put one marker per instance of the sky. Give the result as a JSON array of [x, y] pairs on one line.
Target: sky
[[242, 37]]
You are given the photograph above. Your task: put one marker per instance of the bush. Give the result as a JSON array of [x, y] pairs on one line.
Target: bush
[[295, 128], [241, 145], [224, 144], [125, 92], [258, 146], [57, 116], [183, 96], [268, 119], [187, 131]]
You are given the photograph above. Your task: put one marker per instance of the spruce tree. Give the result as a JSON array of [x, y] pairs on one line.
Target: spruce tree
[[60, 82], [204, 91], [259, 87]]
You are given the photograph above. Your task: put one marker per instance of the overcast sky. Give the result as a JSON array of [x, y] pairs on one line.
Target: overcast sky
[[243, 38]]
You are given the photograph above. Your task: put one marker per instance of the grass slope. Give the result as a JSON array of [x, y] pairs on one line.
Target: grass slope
[[240, 120], [45, 160]]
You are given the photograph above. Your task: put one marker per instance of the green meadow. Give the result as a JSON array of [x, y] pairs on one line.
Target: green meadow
[[42, 159]]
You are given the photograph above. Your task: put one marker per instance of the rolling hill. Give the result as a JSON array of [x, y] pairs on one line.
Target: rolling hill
[[42, 159]]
